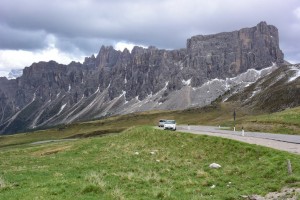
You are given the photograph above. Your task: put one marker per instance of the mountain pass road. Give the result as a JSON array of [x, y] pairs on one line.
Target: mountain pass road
[[290, 143]]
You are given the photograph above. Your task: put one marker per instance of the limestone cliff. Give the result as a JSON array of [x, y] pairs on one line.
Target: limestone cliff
[[116, 82]]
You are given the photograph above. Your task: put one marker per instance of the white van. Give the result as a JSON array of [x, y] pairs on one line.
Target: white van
[[170, 124]]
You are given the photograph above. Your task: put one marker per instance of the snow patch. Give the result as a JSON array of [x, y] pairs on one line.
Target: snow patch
[[254, 93], [227, 86], [149, 95], [123, 94], [108, 85], [34, 97], [186, 82], [98, 89], [296, 74], [167, 83], [248, 84], [216, 87], [69, 88], [225, 99], [137, 98], [61, 109]]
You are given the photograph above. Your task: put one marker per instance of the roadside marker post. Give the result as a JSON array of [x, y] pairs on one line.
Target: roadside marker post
[[234, 115]]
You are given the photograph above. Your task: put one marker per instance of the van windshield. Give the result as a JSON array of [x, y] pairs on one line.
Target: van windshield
[[170, 122]]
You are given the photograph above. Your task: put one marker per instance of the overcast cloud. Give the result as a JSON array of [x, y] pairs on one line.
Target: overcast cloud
[[65, 30]]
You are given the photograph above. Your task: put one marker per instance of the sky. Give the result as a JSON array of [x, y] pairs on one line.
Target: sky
[[69, 30]]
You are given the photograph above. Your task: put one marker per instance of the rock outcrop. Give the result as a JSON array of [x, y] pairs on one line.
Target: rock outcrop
[[276, 91], [225, 55], [116, 82]]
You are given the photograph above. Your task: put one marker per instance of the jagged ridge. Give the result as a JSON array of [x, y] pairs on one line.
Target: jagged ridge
[[116, 82]]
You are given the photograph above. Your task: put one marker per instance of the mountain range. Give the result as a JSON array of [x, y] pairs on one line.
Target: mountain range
[[245, 65]]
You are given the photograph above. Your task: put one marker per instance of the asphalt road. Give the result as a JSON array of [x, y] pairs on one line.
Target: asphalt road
[[290, 143]]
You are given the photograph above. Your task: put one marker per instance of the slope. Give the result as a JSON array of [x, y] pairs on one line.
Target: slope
[[277, 91], [144, 163]]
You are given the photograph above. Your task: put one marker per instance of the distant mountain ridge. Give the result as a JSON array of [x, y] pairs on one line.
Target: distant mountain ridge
[[15, 73], [116, 82]]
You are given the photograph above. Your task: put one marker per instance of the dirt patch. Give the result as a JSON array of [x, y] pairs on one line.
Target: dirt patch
[[285, 193], [97, 133], [50, 151]]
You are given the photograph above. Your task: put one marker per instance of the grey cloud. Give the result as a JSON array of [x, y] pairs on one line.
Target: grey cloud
[[21, 39], [163, 23], [78, 45]]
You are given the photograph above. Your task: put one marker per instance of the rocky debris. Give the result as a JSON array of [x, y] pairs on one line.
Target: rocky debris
[[153, 152], [253, 197], [229, 184], [214, 166], [116, 82], [285, 193]]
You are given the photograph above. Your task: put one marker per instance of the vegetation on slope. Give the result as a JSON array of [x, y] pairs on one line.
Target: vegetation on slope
[[143, 163], [285, 122]]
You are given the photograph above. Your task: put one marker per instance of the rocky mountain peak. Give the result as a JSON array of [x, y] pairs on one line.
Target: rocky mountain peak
[[115, 82], [235, 52], [264, 28]]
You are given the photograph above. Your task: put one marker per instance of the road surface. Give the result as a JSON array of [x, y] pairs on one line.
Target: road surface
[[290, 143]]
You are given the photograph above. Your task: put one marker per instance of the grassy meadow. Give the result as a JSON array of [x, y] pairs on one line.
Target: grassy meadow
[[143, 163], [134, 161], [285, 122]]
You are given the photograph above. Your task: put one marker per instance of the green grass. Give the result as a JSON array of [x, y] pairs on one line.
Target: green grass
[[285, 122], [143, 163]]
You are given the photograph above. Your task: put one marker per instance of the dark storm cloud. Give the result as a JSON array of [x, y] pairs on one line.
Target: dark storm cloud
[[87, 24], [21, 39]]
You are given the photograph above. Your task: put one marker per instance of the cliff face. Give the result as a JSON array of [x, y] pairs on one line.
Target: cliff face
[[116, 82], [229, 54]]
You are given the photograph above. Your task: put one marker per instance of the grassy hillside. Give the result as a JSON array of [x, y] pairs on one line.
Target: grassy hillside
[[286, 122], [271, 93], [143, 163]]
